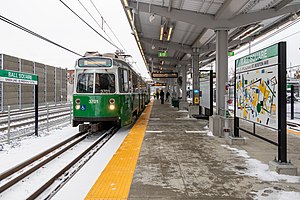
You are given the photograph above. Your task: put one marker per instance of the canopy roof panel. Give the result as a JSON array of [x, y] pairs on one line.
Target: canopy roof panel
[[177, 26]]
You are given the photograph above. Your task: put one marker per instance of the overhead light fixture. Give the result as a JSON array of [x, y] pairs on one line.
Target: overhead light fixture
[[152, 47], [254, 31], [244, 31], [170, 32], [161, 32], [151, 17]]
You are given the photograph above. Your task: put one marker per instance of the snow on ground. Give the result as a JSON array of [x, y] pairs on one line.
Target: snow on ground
[[87, 176], [271, 193], [20, 150], [260, 170]]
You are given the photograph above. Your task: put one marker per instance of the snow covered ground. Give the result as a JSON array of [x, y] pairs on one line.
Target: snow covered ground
[[19, 151]]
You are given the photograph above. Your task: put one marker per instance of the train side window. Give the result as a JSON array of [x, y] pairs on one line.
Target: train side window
[[85, 83], [105, 83], [135, 82], [123, 79]]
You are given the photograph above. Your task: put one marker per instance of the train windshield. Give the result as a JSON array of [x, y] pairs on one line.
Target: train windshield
[[85, 83], [94, 62], [105, 83]]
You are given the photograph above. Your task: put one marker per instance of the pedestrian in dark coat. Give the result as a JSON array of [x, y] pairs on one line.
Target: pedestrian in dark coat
[[157, 94], [162, 96], [167, 96]]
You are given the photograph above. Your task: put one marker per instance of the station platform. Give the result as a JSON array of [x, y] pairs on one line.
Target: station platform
[[168, 155]]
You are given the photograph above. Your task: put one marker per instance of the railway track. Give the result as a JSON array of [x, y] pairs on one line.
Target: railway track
[[31, 110], [25, 121], [25, 116], [70, 155]]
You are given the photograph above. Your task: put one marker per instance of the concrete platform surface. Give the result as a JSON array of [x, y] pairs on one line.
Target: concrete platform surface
[[180, 159]]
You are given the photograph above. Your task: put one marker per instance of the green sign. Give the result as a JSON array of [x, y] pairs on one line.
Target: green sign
[[18, 77], [230, 53], [163, 54], [257, 56]]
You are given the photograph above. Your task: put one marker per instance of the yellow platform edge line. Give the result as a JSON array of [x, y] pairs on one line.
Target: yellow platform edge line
[[115, 180], [293, 132]]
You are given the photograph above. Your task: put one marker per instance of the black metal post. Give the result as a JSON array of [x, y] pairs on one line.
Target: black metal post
[[254, 128], [282, 136], [292, 101], [236, 119], [36, 108]]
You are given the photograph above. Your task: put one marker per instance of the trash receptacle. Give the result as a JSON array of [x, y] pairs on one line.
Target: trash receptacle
[[175, 103]]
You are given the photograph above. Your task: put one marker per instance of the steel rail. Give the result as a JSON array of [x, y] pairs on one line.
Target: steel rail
[[32, 121], [3, 120], [31, 110], [76, 139], [107, 135]]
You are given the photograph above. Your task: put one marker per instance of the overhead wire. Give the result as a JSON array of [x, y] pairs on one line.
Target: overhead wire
[[89, 25], [35, 34], [95, 20], [108, 25], [132, 60]]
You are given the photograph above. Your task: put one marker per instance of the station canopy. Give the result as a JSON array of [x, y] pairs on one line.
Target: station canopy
[[166, 31]]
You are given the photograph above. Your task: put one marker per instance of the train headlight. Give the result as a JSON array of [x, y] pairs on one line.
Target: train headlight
[[111, 107], [77, 101], [77, 107], [112, 101]]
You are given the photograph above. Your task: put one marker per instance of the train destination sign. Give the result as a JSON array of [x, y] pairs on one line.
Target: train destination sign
[[165, 75], [18, 77]]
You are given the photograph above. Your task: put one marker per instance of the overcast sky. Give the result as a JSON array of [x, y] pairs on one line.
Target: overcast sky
[[54, 21]]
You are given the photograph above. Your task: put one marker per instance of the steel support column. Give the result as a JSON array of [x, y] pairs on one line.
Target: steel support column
[[221, 69], [196, 85]]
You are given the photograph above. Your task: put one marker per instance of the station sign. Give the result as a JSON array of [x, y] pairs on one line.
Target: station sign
[[163, 54], [164, 75], [18, 77]]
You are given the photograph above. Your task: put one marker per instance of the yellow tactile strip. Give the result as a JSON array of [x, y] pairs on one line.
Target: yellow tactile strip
[[293, 132], [115, 181]]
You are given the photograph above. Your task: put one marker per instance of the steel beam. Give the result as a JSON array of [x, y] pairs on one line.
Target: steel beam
[[282, 4], [209, 21]]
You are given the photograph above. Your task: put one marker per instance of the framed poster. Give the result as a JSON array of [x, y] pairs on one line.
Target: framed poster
[[257, 87]]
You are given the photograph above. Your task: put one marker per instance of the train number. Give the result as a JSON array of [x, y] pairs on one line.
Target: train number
[[93, 101]]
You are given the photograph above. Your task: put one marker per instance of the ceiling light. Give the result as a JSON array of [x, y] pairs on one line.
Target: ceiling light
[[251, 33], [243, 32], [152, 47], [161, 32], [170, 32], [151, 18]]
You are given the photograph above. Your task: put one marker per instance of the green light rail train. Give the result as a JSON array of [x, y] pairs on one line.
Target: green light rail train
[[107, 89]]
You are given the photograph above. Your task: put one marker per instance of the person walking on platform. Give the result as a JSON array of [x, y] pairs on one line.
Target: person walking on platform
[[167, 96], [162, 96], [157, 94]]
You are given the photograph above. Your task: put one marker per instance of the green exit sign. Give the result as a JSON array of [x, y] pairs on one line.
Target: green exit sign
[[163, 54], [230, 53]]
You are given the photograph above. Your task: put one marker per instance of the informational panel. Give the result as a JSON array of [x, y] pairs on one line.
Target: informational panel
[[257, 92], [205, 89]]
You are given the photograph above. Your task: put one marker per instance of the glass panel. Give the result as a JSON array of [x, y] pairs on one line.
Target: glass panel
[[126, 87], [94, 62], [85, 83], [105, 83]]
